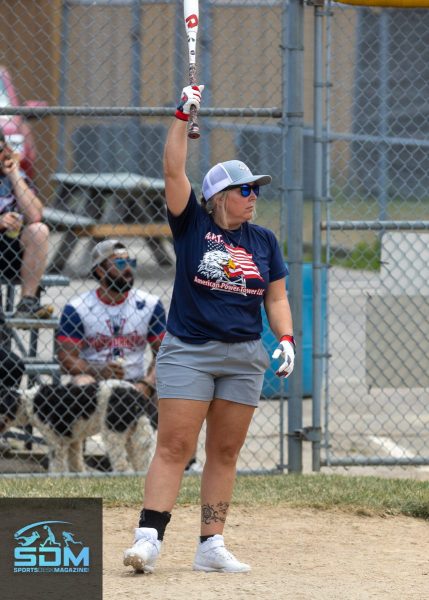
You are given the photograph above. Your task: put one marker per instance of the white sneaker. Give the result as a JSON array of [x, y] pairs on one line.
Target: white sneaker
[[212, 556], [146, 549]]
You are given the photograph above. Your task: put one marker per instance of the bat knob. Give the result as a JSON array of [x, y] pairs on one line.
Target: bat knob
[[193, 134]]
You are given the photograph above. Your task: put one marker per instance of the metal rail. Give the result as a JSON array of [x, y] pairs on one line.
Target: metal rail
[[374, 225], [133, 111]]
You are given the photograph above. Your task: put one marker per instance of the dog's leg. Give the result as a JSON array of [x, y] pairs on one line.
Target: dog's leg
[[141, 444], [75, 456], [57, 455], [57, 447], [114, 444]]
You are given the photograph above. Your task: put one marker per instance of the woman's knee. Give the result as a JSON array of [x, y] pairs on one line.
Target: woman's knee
[[175, 449], [225, 453], [36, 232]]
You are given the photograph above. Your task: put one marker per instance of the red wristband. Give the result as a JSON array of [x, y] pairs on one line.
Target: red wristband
[[288, 338], [181, 115]]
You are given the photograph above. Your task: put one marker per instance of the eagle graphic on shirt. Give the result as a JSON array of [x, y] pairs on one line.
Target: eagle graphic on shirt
[[223, 263]]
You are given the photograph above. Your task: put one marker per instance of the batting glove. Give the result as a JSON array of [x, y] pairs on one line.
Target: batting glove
[[286, 351], [191, 96]]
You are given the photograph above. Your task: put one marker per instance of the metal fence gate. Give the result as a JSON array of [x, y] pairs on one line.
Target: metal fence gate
[[376, 229]]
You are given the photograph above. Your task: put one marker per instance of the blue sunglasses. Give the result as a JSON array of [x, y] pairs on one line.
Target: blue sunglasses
[[245, 189], [123, 263]]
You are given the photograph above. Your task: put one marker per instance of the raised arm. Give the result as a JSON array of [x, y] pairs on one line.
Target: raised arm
[[177, 185]]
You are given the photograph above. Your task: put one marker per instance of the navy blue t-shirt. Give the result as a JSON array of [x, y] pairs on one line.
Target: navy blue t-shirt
[[221, 277]]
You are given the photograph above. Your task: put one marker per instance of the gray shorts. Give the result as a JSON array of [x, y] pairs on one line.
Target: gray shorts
[[232, 372]]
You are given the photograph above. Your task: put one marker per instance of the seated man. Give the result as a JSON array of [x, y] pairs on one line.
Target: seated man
[[23, 238], [103, 333]]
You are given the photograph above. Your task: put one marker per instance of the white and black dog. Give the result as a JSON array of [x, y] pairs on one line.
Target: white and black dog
[[65, 415]]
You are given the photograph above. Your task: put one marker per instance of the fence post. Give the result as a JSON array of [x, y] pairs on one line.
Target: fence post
[[317, 239], [136, 67], [383, 159], [294, 111], [63, 85]]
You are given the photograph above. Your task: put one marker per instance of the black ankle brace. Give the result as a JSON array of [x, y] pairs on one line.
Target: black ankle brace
[[155, 519]]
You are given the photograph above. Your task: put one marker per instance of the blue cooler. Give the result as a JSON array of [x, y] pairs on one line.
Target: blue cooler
[[272, 383]]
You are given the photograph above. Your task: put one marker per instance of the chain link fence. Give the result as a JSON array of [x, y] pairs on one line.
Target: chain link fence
[[90, 88], [377, 234], [94, 86]]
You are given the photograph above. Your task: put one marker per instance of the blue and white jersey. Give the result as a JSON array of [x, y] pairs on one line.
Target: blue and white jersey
[[106, 332], [221, 277]]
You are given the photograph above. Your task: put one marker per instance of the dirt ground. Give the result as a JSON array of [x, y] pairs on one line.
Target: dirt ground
[[299, 554]]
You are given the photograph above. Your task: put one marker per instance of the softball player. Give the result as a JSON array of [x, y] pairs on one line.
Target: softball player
[[211, 363]]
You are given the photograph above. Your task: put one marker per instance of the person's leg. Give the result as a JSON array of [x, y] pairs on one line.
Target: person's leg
[[179, 425], [227, 426], [185, 389], [34, 239]]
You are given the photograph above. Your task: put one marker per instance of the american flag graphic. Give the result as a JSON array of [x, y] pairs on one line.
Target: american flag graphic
[[241, 264], [244, 263]]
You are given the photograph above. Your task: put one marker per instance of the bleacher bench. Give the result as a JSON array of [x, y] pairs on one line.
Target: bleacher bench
[[47, 280], [34, 366]]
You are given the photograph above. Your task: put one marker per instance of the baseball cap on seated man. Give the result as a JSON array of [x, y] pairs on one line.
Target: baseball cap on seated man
[[226, 174], [106, 249]]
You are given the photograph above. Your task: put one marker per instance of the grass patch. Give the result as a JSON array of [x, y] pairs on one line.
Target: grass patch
[[364, 256], [361, 495]]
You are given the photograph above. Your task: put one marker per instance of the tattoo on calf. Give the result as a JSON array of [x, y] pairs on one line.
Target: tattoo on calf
[[213, 514]]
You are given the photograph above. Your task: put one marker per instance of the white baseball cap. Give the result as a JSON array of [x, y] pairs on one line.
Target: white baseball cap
[[106, 249], [231, 172]]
